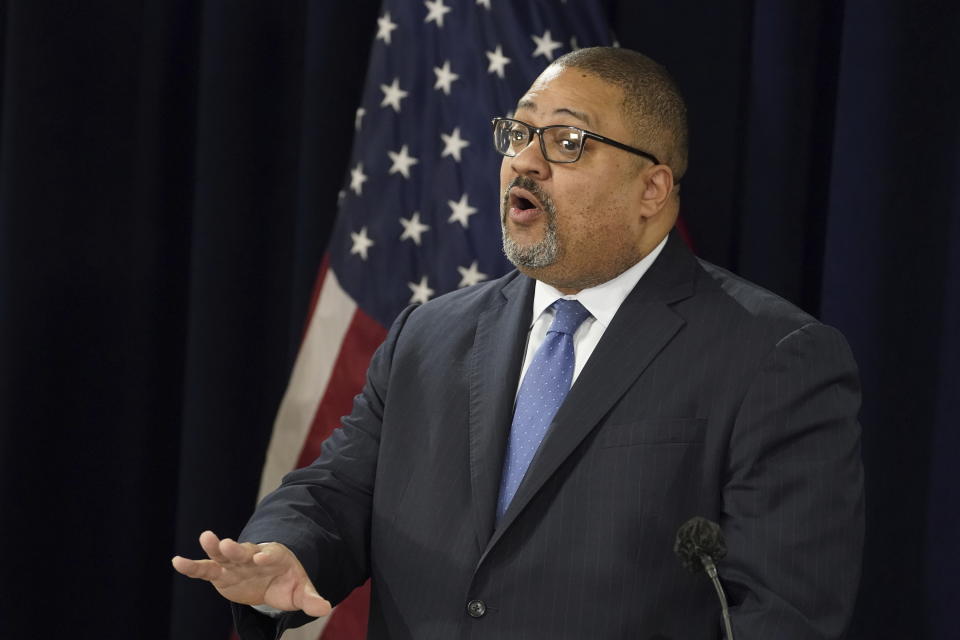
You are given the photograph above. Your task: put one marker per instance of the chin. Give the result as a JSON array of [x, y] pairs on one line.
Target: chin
[[544, 251]]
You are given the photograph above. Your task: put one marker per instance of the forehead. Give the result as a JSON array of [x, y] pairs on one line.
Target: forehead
[[571, 96]]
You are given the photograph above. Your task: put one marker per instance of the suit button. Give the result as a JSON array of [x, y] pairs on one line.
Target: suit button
[[476, 608]]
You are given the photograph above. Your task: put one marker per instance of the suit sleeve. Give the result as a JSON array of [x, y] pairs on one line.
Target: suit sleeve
[[322, 512], [793, 510]]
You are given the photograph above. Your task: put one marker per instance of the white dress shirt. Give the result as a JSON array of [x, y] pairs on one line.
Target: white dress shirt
[[602, 301]]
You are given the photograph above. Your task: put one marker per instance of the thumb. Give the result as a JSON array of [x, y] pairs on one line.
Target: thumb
[[313, 603]]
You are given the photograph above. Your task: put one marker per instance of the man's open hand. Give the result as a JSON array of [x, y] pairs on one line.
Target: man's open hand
[[255, 574]]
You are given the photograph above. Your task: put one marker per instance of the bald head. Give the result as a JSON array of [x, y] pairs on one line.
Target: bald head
[[652, 104]]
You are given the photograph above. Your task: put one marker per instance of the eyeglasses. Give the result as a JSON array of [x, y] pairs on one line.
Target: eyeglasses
[[559, 143]]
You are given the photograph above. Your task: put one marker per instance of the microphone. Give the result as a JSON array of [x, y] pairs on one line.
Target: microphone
[[699, 546]]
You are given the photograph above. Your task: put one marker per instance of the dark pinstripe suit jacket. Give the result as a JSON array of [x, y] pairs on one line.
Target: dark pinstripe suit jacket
[[706, 396]]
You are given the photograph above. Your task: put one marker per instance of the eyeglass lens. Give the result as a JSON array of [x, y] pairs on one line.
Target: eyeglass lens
[[560, 144]]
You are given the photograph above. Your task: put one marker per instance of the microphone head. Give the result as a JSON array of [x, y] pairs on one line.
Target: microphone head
[[697, 537]]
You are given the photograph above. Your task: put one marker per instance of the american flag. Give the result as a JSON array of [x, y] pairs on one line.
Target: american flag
[[419, 210]]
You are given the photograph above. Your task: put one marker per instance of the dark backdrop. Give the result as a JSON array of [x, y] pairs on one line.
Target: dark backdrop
[[168, 177]]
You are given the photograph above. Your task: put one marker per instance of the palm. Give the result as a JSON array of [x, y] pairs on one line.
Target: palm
[[248, 574]]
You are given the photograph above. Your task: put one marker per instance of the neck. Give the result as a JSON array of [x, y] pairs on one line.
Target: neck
[[570, 284]]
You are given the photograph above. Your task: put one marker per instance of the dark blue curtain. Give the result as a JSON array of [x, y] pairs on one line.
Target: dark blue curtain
[[891, 284], [168, 177]]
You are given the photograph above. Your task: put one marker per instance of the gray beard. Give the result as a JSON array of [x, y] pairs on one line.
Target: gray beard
[[540, 254], [535, 256]]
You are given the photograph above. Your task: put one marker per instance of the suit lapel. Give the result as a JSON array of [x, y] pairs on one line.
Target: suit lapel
[[495, 364], [642, 327]]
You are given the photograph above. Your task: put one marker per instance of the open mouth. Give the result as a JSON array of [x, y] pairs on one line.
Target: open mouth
[[523, 200]]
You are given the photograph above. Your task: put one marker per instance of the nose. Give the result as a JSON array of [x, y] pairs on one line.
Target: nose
[[530, 162]]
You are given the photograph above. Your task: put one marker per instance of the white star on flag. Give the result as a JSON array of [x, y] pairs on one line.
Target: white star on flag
[[402, 162], [393, 94], [470, 276], [361, 242], [358, 119], [421, 291], [461, 211], [453, 144], [445, 77], [357, 178], [413, 228], [384, 27], [498, 61], [435, 11], [484, 3], [545, 45]]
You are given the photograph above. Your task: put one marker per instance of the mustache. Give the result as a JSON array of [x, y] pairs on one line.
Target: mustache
[[525, 182]]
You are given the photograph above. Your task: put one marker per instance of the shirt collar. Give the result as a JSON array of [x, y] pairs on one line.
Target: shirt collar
[[603, 300]]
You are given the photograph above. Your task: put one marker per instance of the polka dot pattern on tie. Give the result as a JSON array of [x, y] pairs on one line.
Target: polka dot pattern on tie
[[542, 391]]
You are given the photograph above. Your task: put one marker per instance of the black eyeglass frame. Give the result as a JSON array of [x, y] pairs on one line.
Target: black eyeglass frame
[[586, 134]]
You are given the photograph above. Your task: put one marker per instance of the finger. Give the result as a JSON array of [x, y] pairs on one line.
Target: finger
[[211, 546], [200, 569], [311, 602], [236, 552], [270, 553]]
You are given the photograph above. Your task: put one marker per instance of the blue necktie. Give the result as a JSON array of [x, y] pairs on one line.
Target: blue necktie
[[542, 391]]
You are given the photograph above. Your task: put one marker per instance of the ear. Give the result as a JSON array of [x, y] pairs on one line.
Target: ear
[[657, 188]]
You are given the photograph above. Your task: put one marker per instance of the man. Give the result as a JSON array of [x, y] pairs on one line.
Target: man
[[485, 500]]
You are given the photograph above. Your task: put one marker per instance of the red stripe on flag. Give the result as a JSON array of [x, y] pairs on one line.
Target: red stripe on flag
[[346, 380]]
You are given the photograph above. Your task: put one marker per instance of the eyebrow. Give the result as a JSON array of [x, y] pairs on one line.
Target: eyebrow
[[579, 115]]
